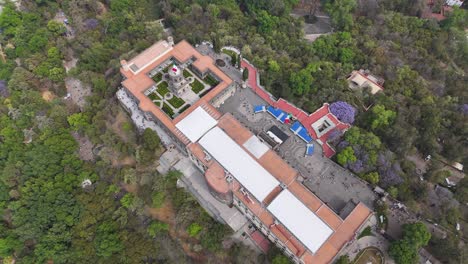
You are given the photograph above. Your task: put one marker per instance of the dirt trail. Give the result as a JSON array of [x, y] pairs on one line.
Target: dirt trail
[[86, 147], [78, 91]]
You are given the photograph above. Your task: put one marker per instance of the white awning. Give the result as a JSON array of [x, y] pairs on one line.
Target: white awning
[[304, 224], [255, 179], [196, 124]]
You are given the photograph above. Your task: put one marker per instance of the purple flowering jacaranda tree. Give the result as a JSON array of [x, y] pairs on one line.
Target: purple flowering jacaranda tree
[[343, 111]]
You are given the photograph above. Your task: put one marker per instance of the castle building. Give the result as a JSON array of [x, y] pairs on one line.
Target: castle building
[[239, 169]]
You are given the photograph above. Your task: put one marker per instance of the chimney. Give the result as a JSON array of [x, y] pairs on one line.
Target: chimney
[[124, 65], [170, 40]]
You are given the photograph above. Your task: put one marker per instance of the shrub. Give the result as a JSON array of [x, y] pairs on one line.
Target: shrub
[[245, 74], [156, 228], [366, 232], [194, 229], [127, 200], [158, 199]]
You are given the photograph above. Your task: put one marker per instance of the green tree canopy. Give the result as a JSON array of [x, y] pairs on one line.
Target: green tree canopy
[[381, 117]]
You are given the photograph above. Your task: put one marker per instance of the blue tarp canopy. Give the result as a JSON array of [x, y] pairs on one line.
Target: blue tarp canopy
[[298, 129], [277, 113], [310, 149], [259, 108]]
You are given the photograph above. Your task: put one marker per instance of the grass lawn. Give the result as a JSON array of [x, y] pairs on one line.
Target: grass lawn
[[158, 77], [366, 232], [186, 74], [168, 110], [163, 88], [176, 102], [197, 86], [154, 96], [211, 80]]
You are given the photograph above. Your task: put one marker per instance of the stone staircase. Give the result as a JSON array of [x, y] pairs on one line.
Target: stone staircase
[[211, 111]]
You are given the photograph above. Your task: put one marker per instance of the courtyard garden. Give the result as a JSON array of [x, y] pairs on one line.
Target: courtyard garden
[[168, 110], [173, 105], [162, 88], [158, 77], [176, 102], [154, 96], [210, 80], [187, 74], [197, 86]]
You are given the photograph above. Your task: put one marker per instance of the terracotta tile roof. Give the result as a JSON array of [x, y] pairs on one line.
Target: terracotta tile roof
[[137, 83], [262, 242], [215, 177], [307, 197], [148, 55], [325, 255], [197, 151], [234, 129], [346, 231], [329, 217], [278, 167]]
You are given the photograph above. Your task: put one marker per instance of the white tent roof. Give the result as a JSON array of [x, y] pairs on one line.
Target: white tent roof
[[196, 124], [255, 179], [304, 224]]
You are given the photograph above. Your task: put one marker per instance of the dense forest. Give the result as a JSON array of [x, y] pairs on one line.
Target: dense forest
[[131, 213]]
